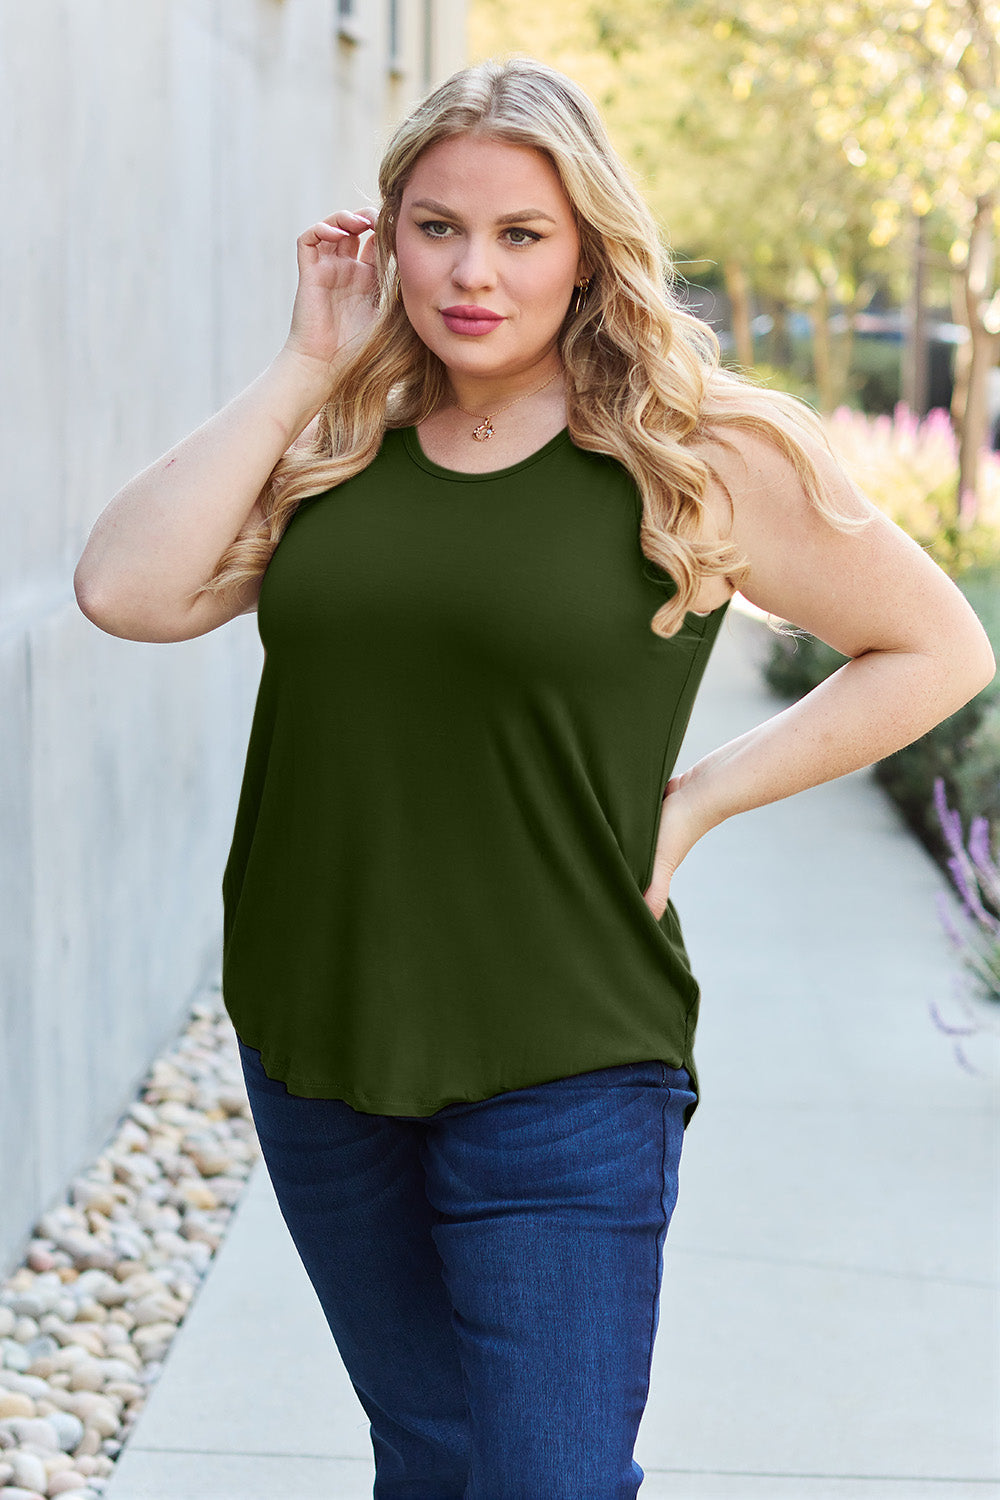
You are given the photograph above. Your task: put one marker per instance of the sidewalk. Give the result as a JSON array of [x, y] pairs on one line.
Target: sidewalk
[[828, 1320]]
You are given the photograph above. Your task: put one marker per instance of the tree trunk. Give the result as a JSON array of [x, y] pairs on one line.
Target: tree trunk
[[985, 346], [963, 355], [822, 351], [738, 290], [779, 342], [844, 346], [975, 423], [916, 364]]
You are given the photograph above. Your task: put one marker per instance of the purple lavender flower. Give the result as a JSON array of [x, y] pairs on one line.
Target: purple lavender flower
[[968, 889], [956, 938], [957, 1031], [949, 1030], [951, 822], [979, 845], [974, 875], [986, 867]]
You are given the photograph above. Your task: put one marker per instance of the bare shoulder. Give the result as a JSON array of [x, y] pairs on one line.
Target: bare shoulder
[[859, 588], [750, 478]]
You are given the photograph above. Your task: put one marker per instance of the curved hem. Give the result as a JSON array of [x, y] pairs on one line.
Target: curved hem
[[426, 1108]]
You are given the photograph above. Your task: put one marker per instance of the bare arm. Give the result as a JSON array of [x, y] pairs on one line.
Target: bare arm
[[918, 652], [163, 533], [161, 536]]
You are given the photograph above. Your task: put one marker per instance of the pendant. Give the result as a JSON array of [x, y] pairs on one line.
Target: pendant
[[483, 431]]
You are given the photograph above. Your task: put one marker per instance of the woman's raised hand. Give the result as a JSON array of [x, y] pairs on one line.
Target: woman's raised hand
[[335, 300], [160, 537]]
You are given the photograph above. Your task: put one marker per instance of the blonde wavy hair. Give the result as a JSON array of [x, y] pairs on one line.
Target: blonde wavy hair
[[643, 375]]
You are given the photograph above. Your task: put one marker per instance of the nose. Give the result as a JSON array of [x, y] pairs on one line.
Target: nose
[[473, 267]]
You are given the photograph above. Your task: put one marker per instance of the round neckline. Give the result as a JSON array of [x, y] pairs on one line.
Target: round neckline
[[411, 440]]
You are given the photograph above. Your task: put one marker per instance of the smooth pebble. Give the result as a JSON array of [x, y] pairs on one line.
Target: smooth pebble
[[29, 1471], [68, 1429], [66, 1479], [16, 1404], [35, 1432], [86, 1322]]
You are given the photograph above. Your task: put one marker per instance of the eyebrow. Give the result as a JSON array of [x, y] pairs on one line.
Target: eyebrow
[[448, 213]]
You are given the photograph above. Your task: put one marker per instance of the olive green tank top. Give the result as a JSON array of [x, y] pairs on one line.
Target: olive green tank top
[[448, 815]]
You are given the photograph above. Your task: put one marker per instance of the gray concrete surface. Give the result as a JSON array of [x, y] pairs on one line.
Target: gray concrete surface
[[828, 1324], [160, 159]]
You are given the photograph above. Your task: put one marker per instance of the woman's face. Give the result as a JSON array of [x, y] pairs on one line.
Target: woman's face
[[485, 227]]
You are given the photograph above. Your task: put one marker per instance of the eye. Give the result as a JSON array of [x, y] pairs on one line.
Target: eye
[[531, 238], [429, 225]]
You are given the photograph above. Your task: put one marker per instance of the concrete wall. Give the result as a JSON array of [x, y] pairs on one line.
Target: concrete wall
[[166, 155]]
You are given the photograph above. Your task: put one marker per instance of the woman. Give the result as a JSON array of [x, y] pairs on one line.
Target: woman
[[494, 495]]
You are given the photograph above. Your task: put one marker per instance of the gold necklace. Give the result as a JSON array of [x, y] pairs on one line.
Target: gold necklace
[[485, 428]]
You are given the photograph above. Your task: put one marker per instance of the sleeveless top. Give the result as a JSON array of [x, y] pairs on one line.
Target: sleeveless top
[[463, 731]]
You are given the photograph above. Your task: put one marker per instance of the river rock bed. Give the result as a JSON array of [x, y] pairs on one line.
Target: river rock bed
[[86, 1321]]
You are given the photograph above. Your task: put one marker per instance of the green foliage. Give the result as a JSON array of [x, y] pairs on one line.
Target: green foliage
[[875, 374], [975, 875], [960, 549], [976, 772], [907, 468], [907, 91], [981, 586], [798, 663], [700, 133], [968, 747], [794, 145], [964, 749], [790, 378]]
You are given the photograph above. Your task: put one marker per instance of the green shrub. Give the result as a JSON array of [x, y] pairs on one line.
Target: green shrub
[[796, 663], [786, 378], [976, 774], [981, 586], [964, 749], [975, 935], [909, 469], [874, 376]]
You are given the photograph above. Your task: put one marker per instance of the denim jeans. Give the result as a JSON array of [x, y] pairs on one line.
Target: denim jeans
[[490, 1273]]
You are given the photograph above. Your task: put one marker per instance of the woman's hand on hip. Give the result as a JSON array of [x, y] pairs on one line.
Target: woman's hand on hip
[[682, 824], [335, 302]]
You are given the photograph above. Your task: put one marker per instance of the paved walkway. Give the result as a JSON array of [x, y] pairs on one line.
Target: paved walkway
[[828, 1322]]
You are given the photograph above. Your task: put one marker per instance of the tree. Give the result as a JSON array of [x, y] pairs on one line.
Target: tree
[[910, 90], [729, 157]]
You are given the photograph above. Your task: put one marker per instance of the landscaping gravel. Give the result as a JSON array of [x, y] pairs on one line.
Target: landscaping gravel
[[86, 1321]]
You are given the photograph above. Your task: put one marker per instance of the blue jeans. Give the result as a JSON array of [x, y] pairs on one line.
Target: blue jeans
[[490, 1273]]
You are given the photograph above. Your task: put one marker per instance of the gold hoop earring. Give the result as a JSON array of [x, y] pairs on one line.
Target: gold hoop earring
[[399, 290], [581, 294]]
